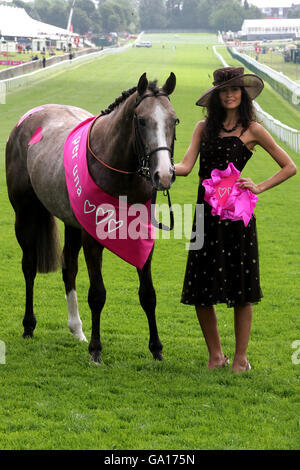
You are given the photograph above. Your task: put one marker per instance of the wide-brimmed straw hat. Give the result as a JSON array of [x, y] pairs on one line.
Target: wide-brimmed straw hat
[[233, 76]]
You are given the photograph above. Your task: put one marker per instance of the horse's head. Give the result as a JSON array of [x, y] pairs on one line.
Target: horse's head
[[155, 121]]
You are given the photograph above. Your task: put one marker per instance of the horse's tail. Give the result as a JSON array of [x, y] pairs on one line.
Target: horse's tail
[[37, 230], [48, 247]]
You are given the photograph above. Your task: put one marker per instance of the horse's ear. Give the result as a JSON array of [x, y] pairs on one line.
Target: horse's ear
[[142, 85], [170, 84]]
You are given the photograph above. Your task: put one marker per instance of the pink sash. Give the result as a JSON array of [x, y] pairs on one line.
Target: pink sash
[[122, 228]]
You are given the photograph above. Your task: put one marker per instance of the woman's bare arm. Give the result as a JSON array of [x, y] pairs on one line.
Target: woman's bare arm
[[288, 167], [186, 165]]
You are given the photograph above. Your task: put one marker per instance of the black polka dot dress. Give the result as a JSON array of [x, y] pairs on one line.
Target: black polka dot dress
[[226, 268]]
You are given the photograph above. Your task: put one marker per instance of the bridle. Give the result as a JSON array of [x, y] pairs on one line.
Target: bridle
[[143, 160], [143, 156]]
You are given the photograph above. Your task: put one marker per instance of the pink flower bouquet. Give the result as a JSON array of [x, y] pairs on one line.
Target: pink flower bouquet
[[227, 199]]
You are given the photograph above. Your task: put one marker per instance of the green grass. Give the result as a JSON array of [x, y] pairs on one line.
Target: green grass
[[53, 397]]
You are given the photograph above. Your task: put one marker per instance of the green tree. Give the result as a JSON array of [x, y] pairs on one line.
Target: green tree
[[152, 14], [118, 15], [43, 8], [81, 22], [253, 13], [204, 11], [86, 5], [58, 14], [174, 13], [86, 17], [228, 17], [190, 14], [110, 21]]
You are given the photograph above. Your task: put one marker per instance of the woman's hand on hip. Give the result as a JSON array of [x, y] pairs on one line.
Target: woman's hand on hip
[[247, 183]]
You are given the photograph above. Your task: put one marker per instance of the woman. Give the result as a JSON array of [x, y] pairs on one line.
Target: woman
[[225, 269]]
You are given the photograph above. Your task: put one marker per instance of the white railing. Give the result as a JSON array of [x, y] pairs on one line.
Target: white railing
[[2, 93], [286, 134], [33, 77], [220, 38]]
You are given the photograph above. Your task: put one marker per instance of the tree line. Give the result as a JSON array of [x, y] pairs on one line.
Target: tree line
[[134, 15], [215, 15]]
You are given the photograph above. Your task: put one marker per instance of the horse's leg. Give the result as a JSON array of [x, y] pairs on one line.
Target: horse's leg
[[25, 228], [148, 302], [97, 293], [38, 236], [70, 268]]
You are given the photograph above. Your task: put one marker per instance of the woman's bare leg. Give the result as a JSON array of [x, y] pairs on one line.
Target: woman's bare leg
[[209, 324], [242, 327]]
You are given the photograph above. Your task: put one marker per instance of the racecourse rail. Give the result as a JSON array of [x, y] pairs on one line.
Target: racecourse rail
[[286, 134]]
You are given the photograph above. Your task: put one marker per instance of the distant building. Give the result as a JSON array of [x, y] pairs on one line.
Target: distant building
[[275, 8], [275, 12], [285, 28]]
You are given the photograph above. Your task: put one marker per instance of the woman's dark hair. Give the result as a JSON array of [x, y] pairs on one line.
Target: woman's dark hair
[[216, 114]]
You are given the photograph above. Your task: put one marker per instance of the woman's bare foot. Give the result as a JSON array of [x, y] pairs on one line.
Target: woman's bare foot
[[218, 362], [241, 365]]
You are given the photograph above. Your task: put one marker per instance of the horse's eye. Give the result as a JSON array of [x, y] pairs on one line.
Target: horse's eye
[[142, 122]]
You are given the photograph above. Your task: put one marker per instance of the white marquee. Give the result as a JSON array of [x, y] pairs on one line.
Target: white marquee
[[271, 26], [16, 22]]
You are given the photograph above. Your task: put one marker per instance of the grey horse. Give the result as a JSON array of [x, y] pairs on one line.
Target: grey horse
[[38, 192]]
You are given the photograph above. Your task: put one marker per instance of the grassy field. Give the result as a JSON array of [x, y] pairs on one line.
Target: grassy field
[[53, 397]]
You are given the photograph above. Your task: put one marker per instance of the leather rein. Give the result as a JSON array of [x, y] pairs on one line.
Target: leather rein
[[144, 161]]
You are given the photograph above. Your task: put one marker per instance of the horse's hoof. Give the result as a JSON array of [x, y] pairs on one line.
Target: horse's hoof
[[28, 333], [158, 356], [79, 335], [76, 330], [96, 358]]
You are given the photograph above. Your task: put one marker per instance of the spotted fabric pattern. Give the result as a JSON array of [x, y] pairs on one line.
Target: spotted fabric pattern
[[226, 268]]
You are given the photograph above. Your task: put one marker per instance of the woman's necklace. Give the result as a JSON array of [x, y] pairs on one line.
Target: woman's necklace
[[231, 130]]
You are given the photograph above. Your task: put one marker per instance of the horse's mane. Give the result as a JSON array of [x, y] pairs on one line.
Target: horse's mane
[[152, 86]]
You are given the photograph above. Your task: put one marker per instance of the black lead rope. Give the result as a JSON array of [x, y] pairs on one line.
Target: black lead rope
[[154, 222]]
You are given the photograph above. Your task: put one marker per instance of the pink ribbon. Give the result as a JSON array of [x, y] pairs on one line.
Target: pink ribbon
[[226, 198]]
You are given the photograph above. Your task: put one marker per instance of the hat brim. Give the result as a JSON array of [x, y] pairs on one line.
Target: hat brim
[[252, 84]]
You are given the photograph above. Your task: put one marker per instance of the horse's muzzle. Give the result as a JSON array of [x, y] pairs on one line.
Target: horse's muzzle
[[163, 181]]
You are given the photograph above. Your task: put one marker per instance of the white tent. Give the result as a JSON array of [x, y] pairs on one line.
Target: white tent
[[270, 28], [15, 22]]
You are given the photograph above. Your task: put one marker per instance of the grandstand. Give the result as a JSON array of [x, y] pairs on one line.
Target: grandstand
[[285, 28]]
